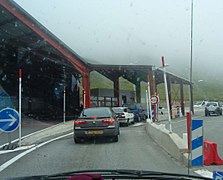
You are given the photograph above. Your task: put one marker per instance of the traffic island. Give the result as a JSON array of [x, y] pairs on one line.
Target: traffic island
[[48, 133], [169, 141]]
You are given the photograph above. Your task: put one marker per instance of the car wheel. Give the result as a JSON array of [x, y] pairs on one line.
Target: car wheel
[[77, 140], [115, 138]]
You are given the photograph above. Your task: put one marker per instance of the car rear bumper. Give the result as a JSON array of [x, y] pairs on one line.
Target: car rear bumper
[[123, 120], [214, 112], [83, 133]]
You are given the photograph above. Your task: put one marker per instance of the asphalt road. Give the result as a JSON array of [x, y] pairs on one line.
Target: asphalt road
[[135, 150], [28, 126]]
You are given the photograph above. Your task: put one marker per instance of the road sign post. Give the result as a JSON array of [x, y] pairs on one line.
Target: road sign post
[[167, 96], [64, 105], [20, 106], [150, 108]]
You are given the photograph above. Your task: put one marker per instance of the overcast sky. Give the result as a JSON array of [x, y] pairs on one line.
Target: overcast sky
[[137, 31]]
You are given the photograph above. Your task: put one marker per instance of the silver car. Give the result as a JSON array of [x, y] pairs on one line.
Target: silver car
[[124, 115], [213, 108], [96, 122]]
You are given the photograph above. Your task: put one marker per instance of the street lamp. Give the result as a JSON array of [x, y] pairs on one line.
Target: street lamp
[[191, 59]]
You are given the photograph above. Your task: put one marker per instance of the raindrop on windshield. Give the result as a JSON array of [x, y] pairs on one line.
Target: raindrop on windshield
[[4, 78]]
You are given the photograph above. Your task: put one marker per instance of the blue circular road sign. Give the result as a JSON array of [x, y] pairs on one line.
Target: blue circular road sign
[[9, 120]]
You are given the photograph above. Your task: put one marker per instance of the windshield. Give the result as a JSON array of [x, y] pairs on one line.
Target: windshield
[[99, 112], [119, 110], [212, 104], [111, 84]]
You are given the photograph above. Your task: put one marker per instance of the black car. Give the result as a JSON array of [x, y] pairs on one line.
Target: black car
[[213, 108], [96, 122]]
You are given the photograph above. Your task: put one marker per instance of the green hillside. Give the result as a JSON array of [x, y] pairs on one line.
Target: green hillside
[[206, 89], [99, 81]]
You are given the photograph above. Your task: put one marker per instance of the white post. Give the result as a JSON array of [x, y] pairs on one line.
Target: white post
[[64, 105], [149, 97], [20, 106], [167, 96], [134, 89]]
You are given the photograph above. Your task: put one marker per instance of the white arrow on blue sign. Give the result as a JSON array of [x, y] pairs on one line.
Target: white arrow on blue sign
[[9, 120]]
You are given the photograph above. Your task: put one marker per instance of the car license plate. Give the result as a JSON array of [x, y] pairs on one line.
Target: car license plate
[[95, 132]]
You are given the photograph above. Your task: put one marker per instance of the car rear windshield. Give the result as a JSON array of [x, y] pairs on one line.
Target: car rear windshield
[[119, 110], [99, 112], [212, 104]]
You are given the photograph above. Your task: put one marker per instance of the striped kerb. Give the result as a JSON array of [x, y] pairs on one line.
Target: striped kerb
[[197, 143]]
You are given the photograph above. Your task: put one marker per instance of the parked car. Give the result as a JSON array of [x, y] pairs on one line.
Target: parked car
[[138, 110], [213, 108], [96, 122], [125, 116]]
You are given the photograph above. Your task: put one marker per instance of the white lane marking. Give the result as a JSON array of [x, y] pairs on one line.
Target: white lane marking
[[15, 140], [17, 149], [14, 159], [204, 173]]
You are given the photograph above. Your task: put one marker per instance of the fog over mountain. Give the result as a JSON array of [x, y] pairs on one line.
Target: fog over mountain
[[138, 31]]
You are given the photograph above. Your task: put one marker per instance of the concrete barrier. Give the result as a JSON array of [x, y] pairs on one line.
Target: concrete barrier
[[170, 142]]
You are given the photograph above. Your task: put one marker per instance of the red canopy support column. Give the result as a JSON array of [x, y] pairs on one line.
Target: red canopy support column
[[86, 90], [152, 82], [153, 87], [116, 89], [191, 94], [182, 98]]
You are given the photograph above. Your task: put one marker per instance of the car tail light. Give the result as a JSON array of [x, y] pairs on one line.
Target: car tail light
[[80, 122], [108, 121]]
